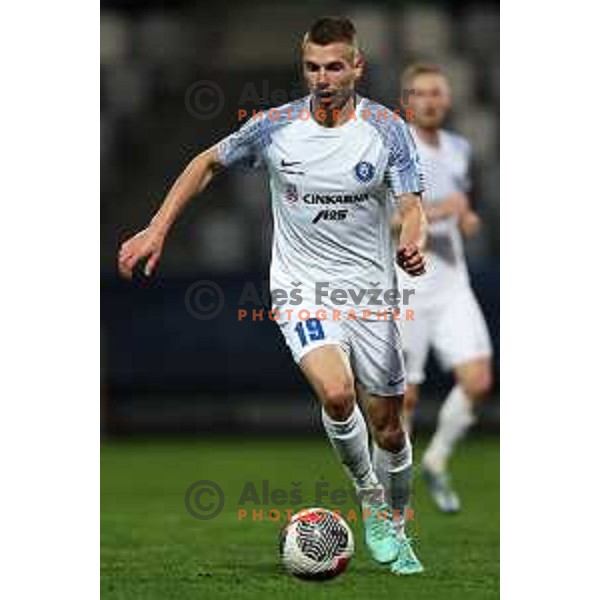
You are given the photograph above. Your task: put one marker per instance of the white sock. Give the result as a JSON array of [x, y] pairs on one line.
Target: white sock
[[394, 470], [455, 418], [350, 439]]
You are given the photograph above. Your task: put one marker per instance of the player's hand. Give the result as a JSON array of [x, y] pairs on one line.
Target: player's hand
[[411, 259], [147, 244], [470, 223]]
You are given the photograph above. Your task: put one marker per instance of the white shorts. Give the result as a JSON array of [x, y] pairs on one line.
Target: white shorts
[[455, 329], [372, 346]]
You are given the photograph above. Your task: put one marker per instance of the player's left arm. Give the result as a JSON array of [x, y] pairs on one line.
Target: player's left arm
[[468, 219], [410, 217], [406, 182], [469, 223]]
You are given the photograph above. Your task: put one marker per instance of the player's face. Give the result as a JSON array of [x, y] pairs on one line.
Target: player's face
[[430, 101], [330, 72]]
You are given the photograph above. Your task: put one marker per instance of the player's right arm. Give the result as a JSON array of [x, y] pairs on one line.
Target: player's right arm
[[456, 204], [148, 243], [242, 145]]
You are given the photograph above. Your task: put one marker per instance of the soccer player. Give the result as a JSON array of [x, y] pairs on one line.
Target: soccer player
[[340, 166], [447, 315]]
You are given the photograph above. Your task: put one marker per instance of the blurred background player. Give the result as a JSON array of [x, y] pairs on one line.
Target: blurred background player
[[447, 315], [332, 142]]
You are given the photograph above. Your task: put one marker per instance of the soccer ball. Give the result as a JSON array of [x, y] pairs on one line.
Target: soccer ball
[[316, 544]]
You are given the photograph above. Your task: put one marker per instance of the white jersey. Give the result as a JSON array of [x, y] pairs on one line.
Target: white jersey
[[446, 171], [332, 193]]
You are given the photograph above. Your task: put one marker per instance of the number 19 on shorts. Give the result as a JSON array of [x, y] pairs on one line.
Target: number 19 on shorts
[[309, 330]]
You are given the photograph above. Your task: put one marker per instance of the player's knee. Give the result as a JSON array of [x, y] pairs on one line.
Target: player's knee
[[390, 437], [338, 400], [479, 385]]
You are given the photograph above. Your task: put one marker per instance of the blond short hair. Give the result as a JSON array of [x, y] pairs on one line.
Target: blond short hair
[[413, 71]]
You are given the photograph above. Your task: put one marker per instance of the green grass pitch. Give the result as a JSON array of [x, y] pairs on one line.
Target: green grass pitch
[[152, 549]]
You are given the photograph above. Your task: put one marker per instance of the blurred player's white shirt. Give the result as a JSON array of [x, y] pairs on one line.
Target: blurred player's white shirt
[[332, 193], [446, 171], [447, 315]]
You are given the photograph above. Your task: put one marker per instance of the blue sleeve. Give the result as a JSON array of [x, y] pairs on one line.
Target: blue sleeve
[[403, 171], [243, 146]]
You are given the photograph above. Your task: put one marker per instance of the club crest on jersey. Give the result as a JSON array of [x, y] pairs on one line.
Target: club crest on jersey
[[364, 171], [291, 193]]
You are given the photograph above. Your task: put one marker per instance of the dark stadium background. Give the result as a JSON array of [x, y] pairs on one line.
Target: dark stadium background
[[164, 371]]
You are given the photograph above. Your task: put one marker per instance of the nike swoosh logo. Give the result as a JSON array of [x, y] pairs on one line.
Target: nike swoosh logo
[[395, 381], [291, 163]]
